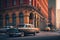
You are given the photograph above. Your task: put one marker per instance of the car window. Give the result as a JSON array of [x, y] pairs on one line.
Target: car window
[[12, 30], [6, 26], [32, 26], [20, 25], [29, 26]]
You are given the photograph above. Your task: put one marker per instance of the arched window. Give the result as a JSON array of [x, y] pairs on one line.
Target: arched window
[[1, 4], [13, 19], [1, 20], [7, 19], [7, 3], [21, 2], [30, 2], [21, 17], [14, 2], [31, 18]]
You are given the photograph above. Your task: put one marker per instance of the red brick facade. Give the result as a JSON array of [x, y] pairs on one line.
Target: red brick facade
[[33, 11]]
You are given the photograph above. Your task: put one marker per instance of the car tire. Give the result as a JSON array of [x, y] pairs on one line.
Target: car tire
[[34, 33], [10, 35], [38, 32], [22, 35]]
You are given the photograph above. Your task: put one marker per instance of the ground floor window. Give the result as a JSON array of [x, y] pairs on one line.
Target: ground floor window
[[14, 19], [21, 18], [31, 19], [1, 20], [7, 20]]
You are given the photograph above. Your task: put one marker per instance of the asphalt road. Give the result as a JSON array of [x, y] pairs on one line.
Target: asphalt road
[[39, 36]]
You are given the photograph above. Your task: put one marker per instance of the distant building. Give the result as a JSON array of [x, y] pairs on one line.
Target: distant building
[[57, 14], [51, 18], [58, 18], [17, 12]]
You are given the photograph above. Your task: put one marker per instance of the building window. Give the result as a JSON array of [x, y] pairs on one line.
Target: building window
[[7, 19], [31, 18], [21, 2], [29, 2], [7, 3], [1, 20], [1, 4], [14, 2], [21, 17], [13, 19]]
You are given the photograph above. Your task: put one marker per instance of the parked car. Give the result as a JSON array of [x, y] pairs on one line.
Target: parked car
[[4, 29], [37, 30], [47, 29], [14, 32], [27, 28]]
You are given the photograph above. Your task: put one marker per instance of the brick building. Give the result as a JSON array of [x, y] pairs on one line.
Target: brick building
[[24, 11]]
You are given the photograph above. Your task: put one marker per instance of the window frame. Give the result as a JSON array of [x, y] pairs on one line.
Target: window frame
[[13, 19], [1, 20], [7, 19], [21, 18]]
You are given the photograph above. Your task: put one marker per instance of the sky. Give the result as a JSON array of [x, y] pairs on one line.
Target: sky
[[52, 3]]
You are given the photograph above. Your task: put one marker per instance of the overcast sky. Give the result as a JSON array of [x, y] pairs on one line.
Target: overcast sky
[[52, 3]]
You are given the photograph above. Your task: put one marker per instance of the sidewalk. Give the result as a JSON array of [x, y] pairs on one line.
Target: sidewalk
[[44, 33]]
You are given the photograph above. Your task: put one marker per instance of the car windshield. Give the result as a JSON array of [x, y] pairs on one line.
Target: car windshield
[[20, 25], [13, 30], [30, 26], [6, 26]]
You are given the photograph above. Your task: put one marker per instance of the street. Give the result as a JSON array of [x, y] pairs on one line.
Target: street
[[39, 36], [20, 17]]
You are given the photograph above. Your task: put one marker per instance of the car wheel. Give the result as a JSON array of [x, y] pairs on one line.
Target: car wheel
[[10, 35], [38, 32], [22, 35], [34, 33]]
